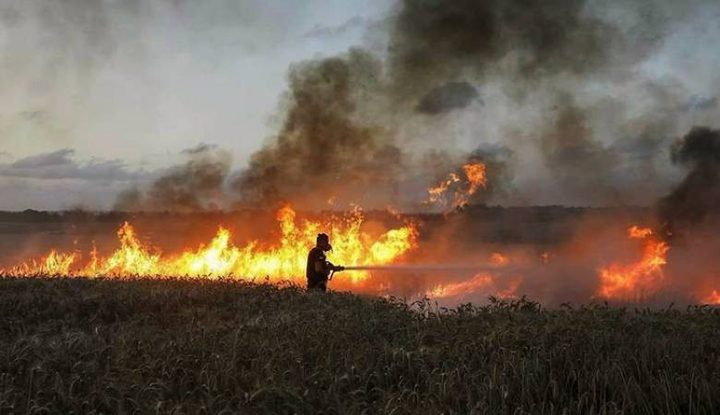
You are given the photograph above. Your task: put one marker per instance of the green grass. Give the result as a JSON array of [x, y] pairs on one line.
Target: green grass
[[173, 346]]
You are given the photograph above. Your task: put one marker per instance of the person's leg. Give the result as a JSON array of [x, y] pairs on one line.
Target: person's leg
[[319, 285]]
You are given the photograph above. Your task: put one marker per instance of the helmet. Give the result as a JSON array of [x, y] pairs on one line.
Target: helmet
[[323, 242]]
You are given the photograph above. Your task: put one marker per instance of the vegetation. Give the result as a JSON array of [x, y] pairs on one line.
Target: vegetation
[[177, 346]]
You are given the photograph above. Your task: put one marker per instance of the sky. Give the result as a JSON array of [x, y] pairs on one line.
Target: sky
[[98, 94], [101, 95]]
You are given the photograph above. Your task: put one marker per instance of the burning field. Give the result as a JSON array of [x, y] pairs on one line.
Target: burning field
[[438, 158], [467, 254], [522, 196], [655, 256]]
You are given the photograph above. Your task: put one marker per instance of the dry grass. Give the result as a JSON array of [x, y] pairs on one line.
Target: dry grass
[[173, 346]]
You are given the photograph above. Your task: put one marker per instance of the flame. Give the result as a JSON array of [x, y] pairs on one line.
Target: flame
[[713, 298], [284, 260], [475, 173], [55, 263], [476, 283], [635, 280], [475, 179], [480, 283], [499, 259], [437, 193], [511, 291], [637, 232]]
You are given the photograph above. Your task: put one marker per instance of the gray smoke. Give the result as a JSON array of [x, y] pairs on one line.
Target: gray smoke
[[698, 195], [197, 185], [323, 150], [443, 40], [559, 84], [356, 124], [453, 95]]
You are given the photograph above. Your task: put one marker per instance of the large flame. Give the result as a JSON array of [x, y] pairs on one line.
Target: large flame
[[637, 280], [455, 192], [221, 258]]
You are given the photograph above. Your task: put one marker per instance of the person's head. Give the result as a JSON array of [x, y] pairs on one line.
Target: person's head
[[323, 242]]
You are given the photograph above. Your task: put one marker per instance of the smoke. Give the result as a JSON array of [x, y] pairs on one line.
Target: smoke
[[582, 94], [197, 185], [324, 150], [698, 195], [452, 95], [360, 126], [571, 152], [444, 40]]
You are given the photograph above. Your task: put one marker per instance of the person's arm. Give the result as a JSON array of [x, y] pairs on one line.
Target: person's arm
[[321, 267]]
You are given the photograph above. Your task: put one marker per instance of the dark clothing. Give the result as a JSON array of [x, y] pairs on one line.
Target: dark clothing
[[318, 270], [320, 285]]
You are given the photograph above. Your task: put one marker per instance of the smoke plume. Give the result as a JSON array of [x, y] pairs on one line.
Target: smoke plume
[[698, 195], [447, 97], [562, 85], [195, 186], [433, 41], [359, 126], [324, 150]]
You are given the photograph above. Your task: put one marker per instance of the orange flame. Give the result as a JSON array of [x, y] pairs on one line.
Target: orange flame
[[475, 179], [475, 173], [437, 193], [713, 298], [638, 279], [499, 259], [220, 258], [636, 232], [476, 283], [482, 283]]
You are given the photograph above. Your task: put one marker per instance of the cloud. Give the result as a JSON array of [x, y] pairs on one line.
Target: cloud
[[61, 164]]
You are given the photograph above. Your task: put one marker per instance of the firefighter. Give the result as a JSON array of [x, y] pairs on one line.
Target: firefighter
[[319, 268]]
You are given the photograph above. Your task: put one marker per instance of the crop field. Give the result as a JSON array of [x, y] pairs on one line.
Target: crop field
[[179, 346]]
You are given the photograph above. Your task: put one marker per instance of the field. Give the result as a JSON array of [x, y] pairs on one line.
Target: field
[[174, 346]]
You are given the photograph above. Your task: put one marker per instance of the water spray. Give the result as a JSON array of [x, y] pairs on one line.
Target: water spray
[[431, 268]]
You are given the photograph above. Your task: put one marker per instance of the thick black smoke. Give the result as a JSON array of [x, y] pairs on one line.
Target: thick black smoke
[[327, 147], [324, 150], [445, 98], [197, 185], [438, 41], [698, 195], [358, 126]]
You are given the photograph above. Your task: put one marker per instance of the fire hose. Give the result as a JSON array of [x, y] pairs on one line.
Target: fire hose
[[426, 268]]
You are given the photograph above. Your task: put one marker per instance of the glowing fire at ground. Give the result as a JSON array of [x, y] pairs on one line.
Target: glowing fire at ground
[[481, 283], [713, 298], [639, 279], [455, 191], [484, 282], [220, 258]]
